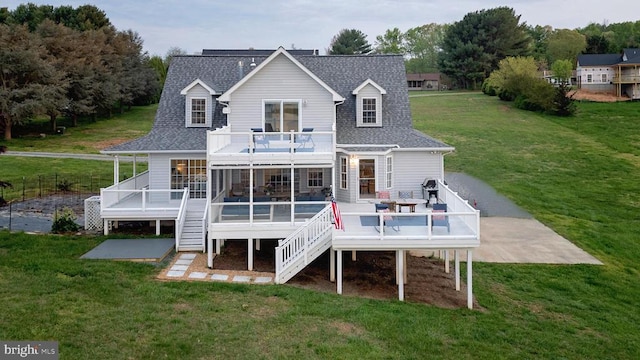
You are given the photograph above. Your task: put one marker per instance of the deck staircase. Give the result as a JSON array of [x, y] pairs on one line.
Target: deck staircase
[[192, 237], [303, 246]]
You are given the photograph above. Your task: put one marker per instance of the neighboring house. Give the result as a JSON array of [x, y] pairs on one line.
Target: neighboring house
[[610, 73], [427, 81], [248, 147], [548, 76]]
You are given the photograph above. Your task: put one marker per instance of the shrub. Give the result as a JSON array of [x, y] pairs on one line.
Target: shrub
[[65, 185], [64, 221]]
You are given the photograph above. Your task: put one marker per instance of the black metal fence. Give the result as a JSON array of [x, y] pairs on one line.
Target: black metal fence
[[39, 186], [30, 203]]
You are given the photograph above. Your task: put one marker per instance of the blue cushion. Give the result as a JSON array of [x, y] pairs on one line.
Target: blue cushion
[[231, 199], [303, 198], [261, 198], [317, 198], [243, 199]]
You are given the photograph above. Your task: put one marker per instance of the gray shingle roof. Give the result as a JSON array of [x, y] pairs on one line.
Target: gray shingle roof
[[598, 59], [342, 73]]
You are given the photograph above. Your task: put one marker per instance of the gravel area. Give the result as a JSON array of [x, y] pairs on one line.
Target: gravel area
[[36, 215]]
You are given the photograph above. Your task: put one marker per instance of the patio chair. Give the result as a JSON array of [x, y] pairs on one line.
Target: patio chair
[[259, 138], [237, 189], [390, 221], [405, 194], [304, 139], [383, 195], [440, 220]]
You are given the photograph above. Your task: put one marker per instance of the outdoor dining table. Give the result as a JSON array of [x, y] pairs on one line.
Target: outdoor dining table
[[410, 203]]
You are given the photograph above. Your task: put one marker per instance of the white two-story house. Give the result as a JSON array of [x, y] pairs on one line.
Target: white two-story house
[[610, 73], [247, 146]]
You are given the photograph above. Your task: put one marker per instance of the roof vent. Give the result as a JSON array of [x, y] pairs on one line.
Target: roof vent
[[240, 70], [253, 63]]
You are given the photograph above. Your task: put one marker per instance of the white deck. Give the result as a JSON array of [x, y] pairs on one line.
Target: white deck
[[463, 232]]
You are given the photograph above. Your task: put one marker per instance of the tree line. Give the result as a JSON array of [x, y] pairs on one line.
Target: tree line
[[469, 50], [65, 61]]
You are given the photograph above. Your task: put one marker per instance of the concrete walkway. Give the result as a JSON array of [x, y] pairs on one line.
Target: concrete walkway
[[513, 240]]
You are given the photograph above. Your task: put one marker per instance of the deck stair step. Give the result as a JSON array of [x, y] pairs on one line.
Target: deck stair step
[[191, 237]]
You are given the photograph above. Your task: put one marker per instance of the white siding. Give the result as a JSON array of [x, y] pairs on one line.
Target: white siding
[[281, 79], [411, 168]]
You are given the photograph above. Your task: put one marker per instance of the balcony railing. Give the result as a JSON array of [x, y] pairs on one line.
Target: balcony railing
[[224, 142], [626, 79]]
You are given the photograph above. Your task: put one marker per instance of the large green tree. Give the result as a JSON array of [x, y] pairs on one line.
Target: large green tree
[[423, 43], [27, 78], [565, 44], [349, 42], [473, 47], [392, 42]]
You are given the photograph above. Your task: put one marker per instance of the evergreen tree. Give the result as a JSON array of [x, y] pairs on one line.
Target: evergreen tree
[[349, 42], [473, 47]]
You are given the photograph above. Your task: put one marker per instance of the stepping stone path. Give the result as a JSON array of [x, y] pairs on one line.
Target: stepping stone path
[[180, 268]]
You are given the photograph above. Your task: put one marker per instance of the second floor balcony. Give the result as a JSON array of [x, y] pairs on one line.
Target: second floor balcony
[[258, 147]]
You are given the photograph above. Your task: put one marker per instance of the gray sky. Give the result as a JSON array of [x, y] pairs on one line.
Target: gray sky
[[310, 24]]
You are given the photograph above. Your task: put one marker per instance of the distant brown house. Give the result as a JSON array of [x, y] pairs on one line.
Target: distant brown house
[[426, 81]]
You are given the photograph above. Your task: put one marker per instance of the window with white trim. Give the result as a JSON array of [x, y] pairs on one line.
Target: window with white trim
[[604, 78], [281, 115], [389, 172], [344, 168], [369, 111], [191, 173], [315, 178], [198, 111], [589, 78]]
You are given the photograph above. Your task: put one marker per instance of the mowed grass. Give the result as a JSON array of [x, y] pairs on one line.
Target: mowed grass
[[89, 137], [577, 179]]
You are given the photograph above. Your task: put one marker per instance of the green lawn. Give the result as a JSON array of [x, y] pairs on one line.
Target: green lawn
[[577, 175], [88, 137]]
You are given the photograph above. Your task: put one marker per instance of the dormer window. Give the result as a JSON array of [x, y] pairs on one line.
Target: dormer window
[[369, 112], [198, 111], [198, 104], [369, 104]]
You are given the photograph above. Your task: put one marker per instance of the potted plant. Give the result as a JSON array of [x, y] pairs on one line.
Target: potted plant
[[268, 189]]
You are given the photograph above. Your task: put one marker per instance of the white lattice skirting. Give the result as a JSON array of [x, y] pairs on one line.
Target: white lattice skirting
[[92, 220]]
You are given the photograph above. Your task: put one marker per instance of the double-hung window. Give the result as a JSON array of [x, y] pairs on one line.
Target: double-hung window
[[198, 111], [344, 168], [389, 172], [315, 178], [369, 111]]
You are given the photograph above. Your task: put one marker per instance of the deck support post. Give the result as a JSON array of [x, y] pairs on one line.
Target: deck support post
[[210, 252], [257, 244], [158, 227], [353, 256], [339, 282], [404, 261], [456, 255], [105, 227], [400, 273], [250, 254], [446, 262], [116, 170], [469, 279], [332, 265], [218, 242]]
